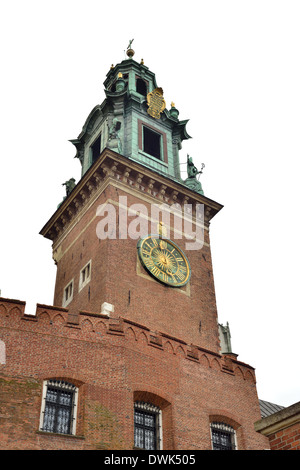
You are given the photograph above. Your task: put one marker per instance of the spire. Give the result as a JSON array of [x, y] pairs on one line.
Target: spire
[[133, 121]]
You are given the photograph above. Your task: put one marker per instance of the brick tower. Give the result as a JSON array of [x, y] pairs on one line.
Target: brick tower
[[130, 353]]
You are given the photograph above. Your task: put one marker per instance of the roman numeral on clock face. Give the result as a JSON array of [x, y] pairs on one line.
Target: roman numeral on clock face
[[149, 263], [164, 276], [155, 271], [145, 252]]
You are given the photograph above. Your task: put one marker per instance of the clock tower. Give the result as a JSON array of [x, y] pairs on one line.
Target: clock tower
[[133, 337], [132, 236]]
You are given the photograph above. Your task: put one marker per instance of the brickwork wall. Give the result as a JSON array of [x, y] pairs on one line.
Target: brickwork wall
[[119, 279], [160, 345], [286, 439], [113, 362]]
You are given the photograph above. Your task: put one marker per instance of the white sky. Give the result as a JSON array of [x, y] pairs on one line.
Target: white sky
[[232, 68]]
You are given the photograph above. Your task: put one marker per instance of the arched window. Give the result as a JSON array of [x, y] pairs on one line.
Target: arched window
[[58, 414], [141, 86], [222, 436], [147, 426], [96, 149]]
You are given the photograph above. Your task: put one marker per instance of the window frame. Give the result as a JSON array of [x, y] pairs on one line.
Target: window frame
[[2, 352], [221, 427], [157, 135], [163, 160], [60, 385], [82, 283], [148, 408], [67, 300]]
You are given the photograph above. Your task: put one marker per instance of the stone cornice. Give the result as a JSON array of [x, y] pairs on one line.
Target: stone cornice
[[130, 174], [278, 421]]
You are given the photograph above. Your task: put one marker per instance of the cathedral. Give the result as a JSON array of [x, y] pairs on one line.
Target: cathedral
[[131, 354]]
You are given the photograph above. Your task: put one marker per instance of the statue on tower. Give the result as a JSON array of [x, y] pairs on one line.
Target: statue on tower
[[114, 140], [70, 185], [192, 182]]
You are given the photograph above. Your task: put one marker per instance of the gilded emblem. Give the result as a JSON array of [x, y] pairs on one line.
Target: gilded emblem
[[156, 103]]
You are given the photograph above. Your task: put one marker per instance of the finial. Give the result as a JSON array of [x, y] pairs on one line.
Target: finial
[[173, 111], [130, 51], [120, 83], [142, 62]]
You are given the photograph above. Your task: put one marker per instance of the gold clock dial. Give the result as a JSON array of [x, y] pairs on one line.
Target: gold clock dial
[[164, 260]]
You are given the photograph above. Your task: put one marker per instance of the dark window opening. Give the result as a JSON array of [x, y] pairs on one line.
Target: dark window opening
[[141, 86], [152, 143], [96, 148], [145, 430]]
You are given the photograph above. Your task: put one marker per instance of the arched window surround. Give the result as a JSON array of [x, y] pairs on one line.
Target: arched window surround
[[59, 407]]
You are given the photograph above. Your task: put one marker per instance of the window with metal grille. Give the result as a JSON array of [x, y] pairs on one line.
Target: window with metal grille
[[223, 437], [146, 426], [58, 407]]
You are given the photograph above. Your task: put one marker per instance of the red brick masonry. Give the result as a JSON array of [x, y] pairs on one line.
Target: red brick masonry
[[114, 362], [282, 428]]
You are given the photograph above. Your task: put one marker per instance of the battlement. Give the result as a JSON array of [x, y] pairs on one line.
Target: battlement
[[95, 327]]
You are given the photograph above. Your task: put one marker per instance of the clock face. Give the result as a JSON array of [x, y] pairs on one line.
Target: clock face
[[164, 260]]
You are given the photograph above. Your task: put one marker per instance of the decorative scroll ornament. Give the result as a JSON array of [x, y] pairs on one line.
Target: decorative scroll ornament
[[156, 103]]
